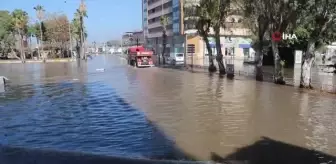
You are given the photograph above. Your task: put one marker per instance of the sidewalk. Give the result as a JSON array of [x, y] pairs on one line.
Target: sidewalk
[[245, 74], [61, 60]]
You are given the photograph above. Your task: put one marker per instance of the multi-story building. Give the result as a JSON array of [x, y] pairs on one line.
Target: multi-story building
[[132, 38], [153, 10], [235, 37]]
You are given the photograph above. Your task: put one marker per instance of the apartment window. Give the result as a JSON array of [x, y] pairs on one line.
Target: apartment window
[[176, 3], [176, 15], [176, 28]]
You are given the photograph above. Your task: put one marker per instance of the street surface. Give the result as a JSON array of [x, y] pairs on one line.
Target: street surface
[[106, 107]]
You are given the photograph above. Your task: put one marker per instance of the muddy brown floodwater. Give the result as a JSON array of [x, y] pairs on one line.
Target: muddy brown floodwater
[[153, 112]]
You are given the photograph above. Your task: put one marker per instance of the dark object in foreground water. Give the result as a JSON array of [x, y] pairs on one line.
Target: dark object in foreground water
[[13, 155]]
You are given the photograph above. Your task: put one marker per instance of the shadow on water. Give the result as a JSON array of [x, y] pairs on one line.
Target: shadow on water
[[87, 118], [269, 151]]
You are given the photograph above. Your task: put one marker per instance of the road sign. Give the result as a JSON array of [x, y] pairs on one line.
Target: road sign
[[191, 48]]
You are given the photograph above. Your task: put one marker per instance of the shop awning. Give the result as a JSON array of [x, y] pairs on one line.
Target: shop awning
[[244, 45], [214, 45]]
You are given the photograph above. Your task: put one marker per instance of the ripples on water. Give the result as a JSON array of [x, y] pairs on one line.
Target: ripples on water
[[78, 117], [108, 112]]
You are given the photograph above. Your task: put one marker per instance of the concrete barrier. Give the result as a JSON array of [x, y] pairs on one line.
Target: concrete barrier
[[14, 155]]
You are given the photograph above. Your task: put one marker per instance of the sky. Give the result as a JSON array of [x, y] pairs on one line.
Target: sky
[[107, 19]]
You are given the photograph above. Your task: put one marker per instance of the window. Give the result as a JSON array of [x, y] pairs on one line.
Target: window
[[176, 28], [176, 15], [176, 3], [229, 51]]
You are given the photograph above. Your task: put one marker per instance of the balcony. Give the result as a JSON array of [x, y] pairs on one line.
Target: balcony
[[159, 34], [157, 3], [157, 24], [160, 13], [154, 25]]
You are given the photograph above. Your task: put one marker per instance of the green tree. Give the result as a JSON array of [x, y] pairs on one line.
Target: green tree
[[20, 21], [76, 30], [219, 11], [164, 20], [283, 14], [81, 14], [256, 19], [31, 32], [318, 23], [40, 15], [7, 40], [202, 15]]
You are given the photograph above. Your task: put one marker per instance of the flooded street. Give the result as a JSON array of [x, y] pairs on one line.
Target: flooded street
[[155, 112]]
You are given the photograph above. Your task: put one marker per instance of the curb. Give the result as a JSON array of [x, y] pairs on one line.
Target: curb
[[35, 61]]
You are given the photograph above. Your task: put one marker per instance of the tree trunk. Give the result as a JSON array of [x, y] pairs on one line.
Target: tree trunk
[[38, 48], [78, 50], [82, 39], [41, 41], [13, 52], [164, 43], [259, 64], [21, 47], [212, 67], [219, 57], [278, 69], [30, 46], [308, 58], [259, 59]]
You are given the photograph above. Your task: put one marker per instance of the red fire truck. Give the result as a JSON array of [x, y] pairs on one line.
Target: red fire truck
[[138, 56]]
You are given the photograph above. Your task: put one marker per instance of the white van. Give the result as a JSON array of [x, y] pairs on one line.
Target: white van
[[176, 58]]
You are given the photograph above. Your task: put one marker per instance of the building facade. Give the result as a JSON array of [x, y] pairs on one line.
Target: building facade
[[153, 10], [132, 38], [235, 38]]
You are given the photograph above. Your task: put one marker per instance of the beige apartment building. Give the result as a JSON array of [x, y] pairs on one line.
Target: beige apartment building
[[235, 38]]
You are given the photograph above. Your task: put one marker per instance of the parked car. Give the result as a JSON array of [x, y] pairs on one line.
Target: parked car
[[175, 58]]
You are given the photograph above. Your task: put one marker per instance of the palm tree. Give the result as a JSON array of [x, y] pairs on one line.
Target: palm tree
[[31, 32], [78, 30], [164, 22], [20, 21], [82, 13], [40, 15]]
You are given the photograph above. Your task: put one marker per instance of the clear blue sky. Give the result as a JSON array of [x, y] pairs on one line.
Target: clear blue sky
[[107, 19]]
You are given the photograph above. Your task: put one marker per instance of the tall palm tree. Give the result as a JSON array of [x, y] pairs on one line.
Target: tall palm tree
[[164, 22], [31, 32], [82, 14], [78, 30], [20, 21], [40, 15]]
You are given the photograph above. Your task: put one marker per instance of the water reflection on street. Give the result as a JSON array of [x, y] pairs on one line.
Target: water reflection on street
[[75, 107]]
